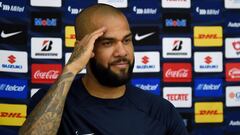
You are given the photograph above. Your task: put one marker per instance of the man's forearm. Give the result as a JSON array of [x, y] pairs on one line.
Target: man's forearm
[[46, 116]]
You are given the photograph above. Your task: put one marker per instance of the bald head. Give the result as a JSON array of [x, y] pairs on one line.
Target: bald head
[[94, 17]]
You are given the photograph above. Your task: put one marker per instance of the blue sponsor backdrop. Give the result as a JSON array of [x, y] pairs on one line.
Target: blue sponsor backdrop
[[208, 87], [13, 88], [151, 85], [141, 13]]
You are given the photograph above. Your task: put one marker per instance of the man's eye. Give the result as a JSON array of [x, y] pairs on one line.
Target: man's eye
[[107, 43], [127, 41]]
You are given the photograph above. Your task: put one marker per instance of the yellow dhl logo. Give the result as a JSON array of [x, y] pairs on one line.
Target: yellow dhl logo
[[12, 114], [208, 36], [70, 36], [208, 112]]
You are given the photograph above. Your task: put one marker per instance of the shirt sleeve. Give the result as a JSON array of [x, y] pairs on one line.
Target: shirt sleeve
[[175, 124]]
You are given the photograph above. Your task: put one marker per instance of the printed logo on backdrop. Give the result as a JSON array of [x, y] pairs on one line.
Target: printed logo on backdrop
[[13, 33], [145, 35], [144, 11], [180, 97], [13, 88], [206, 10], [73, 7], [115, 3], [151, 85], [13, 61], [46, 3], [232, 4], [45, 73], [208, 112], [46, 22], [67, 57], [232, 23], [14, 8], [70, 36], [176, 3], [177, 47], [46, 48], [34, 91], [177, 72], [232, 72], [176, 22], [12, 114], [147, 62], [210, 87], [232, 121], [232, 47], [233, 96], [208, 36], [208, 62]]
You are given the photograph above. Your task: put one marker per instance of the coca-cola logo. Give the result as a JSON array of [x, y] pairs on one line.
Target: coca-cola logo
[[177, 72], [180, 73], [51, 74], [234, 73], [45, 73]]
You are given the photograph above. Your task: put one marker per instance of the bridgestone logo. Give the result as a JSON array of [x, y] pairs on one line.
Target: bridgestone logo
[[46, 54]]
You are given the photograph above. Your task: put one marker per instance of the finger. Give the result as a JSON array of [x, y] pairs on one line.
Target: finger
[[102, 29], [94, 37]]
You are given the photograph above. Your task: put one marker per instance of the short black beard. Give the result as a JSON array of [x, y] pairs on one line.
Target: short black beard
[[106, 77]]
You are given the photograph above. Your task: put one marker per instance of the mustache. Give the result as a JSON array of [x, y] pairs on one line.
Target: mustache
[[122, 59]]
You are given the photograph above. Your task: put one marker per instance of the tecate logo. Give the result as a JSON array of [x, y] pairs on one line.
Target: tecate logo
[[51, 74], [177, 97], [234, 73], [181, 73]]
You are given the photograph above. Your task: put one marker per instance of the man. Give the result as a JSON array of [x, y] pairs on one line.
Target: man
[[100, 103]]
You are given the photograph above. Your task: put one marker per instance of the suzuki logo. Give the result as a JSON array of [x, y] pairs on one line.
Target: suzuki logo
[[236, 45], [177, 45], [47, 45], [145, 59], [207, 36], [11, 59], [208, 60]]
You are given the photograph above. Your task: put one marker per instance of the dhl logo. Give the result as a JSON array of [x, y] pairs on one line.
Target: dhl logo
[[208, 36], [12, 114], [208, 112], [70, 36]]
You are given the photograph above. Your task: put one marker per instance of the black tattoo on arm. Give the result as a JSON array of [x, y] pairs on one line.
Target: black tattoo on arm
[[46, 117]]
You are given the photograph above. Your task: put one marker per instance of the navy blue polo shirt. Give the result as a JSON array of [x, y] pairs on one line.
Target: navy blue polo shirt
[[135, 113]]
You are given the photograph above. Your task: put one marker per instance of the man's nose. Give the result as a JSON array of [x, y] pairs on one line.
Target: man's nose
[[120, 50]]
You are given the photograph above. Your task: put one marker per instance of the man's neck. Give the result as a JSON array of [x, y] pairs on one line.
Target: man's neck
[[95, 89]]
